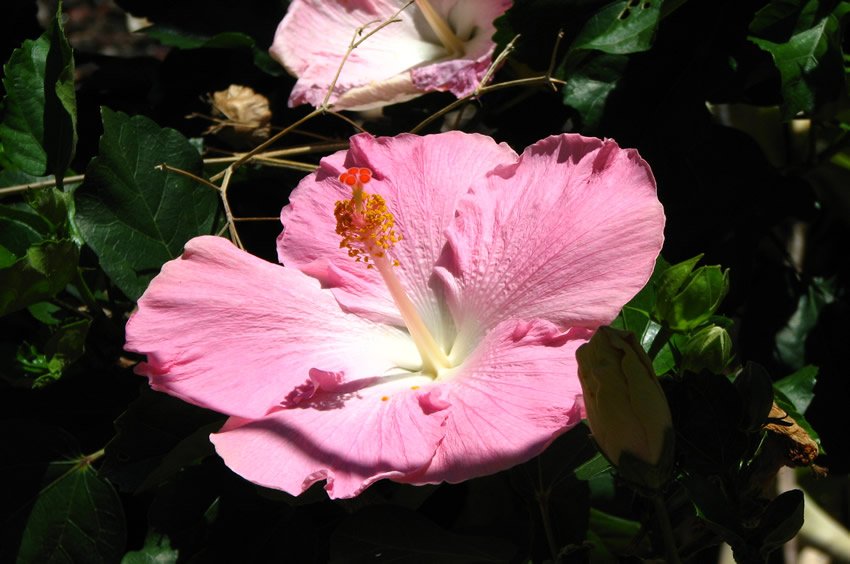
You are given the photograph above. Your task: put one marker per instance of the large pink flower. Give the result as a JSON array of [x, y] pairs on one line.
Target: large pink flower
[[438, 45], [457, 362]]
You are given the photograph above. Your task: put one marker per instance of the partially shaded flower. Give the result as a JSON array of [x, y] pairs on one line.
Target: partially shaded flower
[[437, 45], [447, 351]]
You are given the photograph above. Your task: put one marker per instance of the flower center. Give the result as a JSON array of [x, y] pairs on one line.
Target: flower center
[[441, 29], [366, 227]]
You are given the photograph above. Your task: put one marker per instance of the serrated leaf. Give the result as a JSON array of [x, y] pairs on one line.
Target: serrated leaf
[[620, 28], [77, 518], [809, 63], [61, 510], [38, 131], [399, 535], [45, 270], [134, 216]]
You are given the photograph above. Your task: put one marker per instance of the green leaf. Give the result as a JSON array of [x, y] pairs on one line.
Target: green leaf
[[687, 298], [157, 436], [781, 520], [616, 534], [399, 535], [61, 511], [799, 387], [157, 550], [134, 216], [20, 228], [45, 270], [809, 62], [791, 339], [182, 39], [620, 28], [754, 387], [589, 84], [38, 131], [787, 406]]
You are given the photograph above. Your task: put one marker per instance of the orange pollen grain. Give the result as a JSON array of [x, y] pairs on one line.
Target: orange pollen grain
[[414, 387], [385, 398]]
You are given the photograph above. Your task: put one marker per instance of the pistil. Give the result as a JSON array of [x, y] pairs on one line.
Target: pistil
[[366, 228], [441, 28]]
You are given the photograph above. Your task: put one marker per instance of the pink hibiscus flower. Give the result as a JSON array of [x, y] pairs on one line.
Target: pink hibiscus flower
[[424, 326], [438, 45]]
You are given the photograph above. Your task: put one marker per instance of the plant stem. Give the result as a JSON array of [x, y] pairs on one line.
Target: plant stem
[[663, 518], [543, 504]]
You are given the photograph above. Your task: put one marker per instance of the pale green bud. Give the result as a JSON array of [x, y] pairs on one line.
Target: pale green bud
[[626, 407], [709, 349]]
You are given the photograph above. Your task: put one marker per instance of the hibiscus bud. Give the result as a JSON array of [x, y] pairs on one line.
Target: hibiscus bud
[[686, 297], [626, 407], [710, 349], [247, 114]]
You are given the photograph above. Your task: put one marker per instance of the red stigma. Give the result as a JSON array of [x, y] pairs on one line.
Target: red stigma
[[355, 176]]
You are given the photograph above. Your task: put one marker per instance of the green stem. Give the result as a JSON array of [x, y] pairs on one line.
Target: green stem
[[543, 504], [86, 293], [666, 529]]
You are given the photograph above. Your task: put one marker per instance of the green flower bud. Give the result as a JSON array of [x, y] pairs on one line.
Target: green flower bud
[[626, 407], [710, 349], [686, 298]]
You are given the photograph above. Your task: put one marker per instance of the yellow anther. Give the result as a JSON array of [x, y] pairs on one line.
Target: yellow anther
[[363, 222]]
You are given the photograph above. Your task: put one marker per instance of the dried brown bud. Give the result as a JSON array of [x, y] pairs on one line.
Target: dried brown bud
[[799, 448], [246, 113]]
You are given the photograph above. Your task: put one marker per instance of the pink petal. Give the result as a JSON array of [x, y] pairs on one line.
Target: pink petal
[[351, 438], [228, 331], [569, 233], [469, 18], [516, 393], [422, 179], [315, 34]]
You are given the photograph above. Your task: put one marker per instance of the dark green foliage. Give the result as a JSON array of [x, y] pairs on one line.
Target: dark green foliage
[[716, 96], [137, 216]]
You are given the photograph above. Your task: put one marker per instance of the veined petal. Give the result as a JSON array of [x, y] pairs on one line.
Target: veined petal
[[231, 332], [349, 438], [514, 395], [472, 21], [421, 179], [569, 233]]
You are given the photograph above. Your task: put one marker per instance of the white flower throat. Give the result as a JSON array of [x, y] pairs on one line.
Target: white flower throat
[[367, 230]]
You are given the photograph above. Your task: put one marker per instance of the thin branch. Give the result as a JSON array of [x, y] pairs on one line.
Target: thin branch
[[497, 62], [228, 213], [284, 163], [554, 57], [168, 168], [40, 184], [355, 43], [256, 219], [533, 81], [484, 88]]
